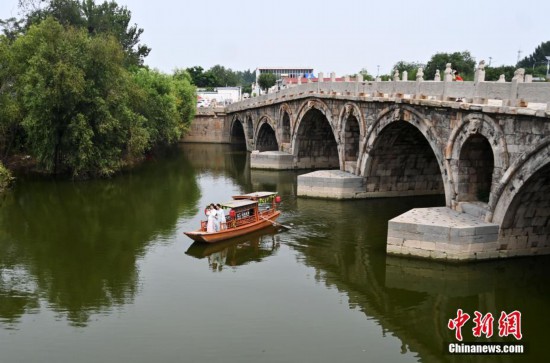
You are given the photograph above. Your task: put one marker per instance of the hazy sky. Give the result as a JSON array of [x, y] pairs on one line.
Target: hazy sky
[[343, 36]]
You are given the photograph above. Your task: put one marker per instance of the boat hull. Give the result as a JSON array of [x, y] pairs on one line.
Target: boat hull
[[212, 237]]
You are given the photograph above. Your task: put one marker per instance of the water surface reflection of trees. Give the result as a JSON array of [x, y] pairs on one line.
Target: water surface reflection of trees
[[76, 244]]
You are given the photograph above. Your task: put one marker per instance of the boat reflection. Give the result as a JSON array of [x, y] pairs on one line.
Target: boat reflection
[[253, 247]]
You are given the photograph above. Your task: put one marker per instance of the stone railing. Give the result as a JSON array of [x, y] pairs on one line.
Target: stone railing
[[534, 96]]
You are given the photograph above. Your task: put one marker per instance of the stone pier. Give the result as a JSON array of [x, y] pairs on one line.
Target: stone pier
[[277, 160], [334, 184], [442, 234]]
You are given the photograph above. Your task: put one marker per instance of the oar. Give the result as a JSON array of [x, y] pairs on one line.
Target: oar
[[276, 223]]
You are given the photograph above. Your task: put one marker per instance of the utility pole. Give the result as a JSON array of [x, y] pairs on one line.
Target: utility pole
[[519, 55], [490, 59]]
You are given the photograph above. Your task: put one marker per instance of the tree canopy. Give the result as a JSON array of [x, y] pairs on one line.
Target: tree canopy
[[463, 62], [75, 95], [267, 80]]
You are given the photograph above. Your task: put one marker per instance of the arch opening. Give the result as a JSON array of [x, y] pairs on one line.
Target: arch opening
[[237, 134], [316, 145], [527, 219], [475, 169], [285, 130], [267, 140], [249, 128], [352, 134], [402, 162]]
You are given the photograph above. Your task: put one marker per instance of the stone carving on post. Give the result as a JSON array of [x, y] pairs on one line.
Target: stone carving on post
[[405, 76], [448, 73], [321, 77], [519, 75], [475, 126], [420, 74], [480, 72], [359, 77], [332, 77], [437, 77], [501, 79], [396, 76]]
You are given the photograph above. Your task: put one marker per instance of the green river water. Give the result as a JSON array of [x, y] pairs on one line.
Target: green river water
[[100, 271]]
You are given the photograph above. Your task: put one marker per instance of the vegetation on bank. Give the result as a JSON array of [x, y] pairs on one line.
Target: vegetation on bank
[[5, 178], [75, 95]]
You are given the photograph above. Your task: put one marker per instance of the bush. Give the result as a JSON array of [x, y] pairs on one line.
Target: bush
[[5, 178]]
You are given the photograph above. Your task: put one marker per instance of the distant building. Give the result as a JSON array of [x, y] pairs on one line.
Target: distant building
[[285, 72], [220, 95], [281, 73]]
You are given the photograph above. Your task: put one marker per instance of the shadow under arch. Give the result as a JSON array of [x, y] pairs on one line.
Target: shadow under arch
[[237, 133], [285, 123], [400, 157], [314, 141], [476, 127], [352, 133], [266, 138]]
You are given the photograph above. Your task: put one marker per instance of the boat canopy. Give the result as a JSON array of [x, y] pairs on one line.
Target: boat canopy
[[255, 195], [239, 203]]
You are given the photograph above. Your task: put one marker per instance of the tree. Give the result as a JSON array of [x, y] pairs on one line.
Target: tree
[[538, 57], [461, 61], [366, 75], [76, 94], [11, 133], [410, 67], [224, 77], [267, 80], [186, 98], [158, 106], [107, 18], [493, 73]]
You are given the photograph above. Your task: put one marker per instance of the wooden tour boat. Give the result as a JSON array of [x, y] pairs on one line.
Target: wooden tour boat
[[248, 213]]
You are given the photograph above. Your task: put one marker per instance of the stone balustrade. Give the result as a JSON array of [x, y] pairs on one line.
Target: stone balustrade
[[506, 97]]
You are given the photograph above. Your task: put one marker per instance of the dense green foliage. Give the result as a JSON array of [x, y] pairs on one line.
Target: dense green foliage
[[219, 76], [75, 97], [267, 80], [5, 178], [463, 62], [410, 67]]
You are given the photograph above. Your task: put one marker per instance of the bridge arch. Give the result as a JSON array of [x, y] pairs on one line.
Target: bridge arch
[[521, 201], [237, 134], [401, 155], [314, 141], [266, 138], [477, 156], [351, 133], [285, 123], [249, 126]]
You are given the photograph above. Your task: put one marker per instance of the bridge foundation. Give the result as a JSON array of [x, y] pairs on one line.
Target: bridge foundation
[[333, 184], [442, 234], [278, 160]]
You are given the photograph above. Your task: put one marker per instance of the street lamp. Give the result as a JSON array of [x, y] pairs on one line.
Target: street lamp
[[547, 66]]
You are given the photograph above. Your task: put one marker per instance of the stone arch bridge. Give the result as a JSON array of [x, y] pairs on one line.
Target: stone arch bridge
[[484, 145]]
